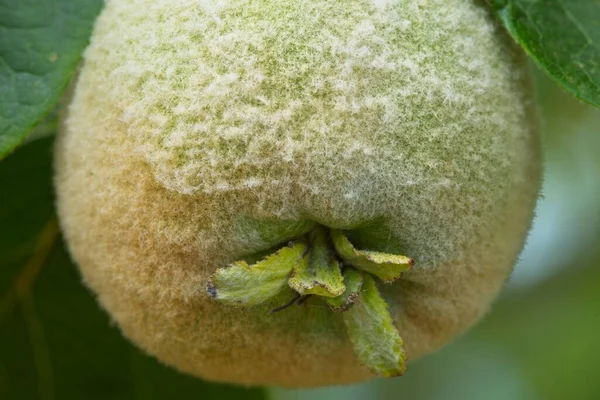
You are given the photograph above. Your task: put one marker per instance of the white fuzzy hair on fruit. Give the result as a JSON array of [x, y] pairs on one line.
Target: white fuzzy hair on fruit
[[202, 131]]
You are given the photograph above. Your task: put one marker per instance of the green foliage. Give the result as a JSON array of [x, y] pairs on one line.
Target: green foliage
[[41, 43], [55, 343], [563, 37]]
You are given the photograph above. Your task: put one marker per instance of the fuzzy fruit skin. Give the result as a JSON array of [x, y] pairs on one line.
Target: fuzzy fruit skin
[[203, 131]]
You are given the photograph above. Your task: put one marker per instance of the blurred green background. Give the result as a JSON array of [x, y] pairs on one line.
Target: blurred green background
[[538, 341]]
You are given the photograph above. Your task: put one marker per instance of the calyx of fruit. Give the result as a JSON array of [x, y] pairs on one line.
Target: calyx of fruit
[[325, 264]]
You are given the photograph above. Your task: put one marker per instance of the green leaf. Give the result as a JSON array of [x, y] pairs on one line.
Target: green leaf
[[248, 285], [387, 267], [563, 37], [375, 339], [353, 280], [47, 127], [41, 43], [55, 342], [320, 272]]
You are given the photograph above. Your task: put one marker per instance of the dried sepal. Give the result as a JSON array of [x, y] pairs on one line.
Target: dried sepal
[[387, 267], [248, 285], [319, 273], [353, 280], [371, 330]]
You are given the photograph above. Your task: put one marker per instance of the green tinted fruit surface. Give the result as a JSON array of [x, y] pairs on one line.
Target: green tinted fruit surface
[[201, 132]]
